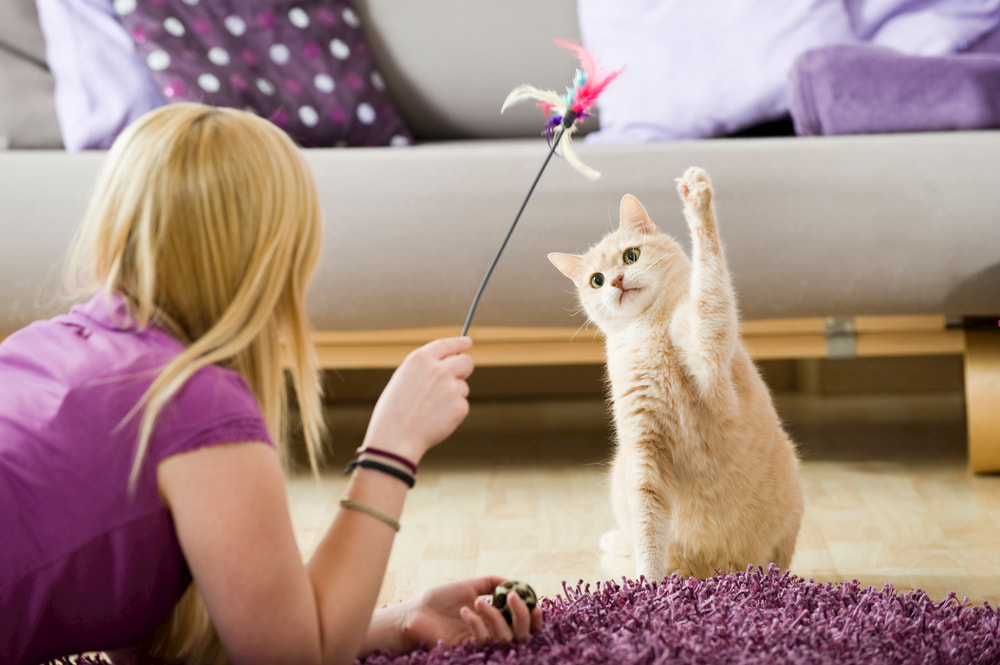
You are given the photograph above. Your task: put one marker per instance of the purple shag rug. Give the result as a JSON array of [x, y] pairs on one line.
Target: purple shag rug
[[753, 618]]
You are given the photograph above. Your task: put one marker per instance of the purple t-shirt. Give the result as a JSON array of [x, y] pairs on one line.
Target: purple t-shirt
[[85, 565]]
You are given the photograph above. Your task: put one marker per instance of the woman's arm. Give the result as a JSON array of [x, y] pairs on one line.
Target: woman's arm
[[423, 403], [231, 514]]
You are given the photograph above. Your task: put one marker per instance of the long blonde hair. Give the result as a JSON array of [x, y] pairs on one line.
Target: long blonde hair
[[207, 222]]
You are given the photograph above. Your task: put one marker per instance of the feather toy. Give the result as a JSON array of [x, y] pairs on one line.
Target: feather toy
[[563, 112]]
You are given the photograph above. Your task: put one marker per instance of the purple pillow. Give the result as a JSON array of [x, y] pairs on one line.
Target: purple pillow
[[865, 89], [303, 64], [919, 27], [101, 85], [697, 70]]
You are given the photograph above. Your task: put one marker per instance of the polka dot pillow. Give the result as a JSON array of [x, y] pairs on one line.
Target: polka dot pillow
[[303, 64]]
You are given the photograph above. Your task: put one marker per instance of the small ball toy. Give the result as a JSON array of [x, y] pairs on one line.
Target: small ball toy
[[523, 589]]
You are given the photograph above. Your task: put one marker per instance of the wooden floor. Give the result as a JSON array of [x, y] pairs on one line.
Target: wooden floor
[[520, 491]]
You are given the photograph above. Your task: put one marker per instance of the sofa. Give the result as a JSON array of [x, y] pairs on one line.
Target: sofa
[[840, 246]]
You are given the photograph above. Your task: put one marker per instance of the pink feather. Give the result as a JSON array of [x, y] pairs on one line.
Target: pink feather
[[586, 59], [588, 93], [596, 78]]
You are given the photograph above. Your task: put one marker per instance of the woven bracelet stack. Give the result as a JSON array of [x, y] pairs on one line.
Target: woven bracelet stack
[[384, 468]]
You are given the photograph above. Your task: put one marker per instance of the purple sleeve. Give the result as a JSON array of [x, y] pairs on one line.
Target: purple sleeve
[[214, 407]]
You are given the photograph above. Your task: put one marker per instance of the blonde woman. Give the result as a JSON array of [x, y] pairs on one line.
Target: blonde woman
[[141, 434]]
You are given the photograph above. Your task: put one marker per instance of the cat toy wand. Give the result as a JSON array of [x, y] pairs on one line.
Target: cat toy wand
[[563, 111]]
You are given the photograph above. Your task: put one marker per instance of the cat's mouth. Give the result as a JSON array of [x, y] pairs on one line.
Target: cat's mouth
[[627, 293]]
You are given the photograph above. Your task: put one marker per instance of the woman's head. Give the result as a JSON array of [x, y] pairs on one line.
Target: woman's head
[[207, 221], [202, 214]]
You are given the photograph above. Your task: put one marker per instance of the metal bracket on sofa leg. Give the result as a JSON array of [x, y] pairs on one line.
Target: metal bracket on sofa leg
[[839, 332]]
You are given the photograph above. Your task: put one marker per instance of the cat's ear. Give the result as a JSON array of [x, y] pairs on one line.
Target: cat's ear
[[634, 217], [568, 264]]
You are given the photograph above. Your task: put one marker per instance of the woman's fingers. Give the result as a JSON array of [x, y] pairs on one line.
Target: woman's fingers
[[523, 621], [536, 619], [493, 619], [460, 366], [477, 628], [447, 346], [520, 616], [450, 351]]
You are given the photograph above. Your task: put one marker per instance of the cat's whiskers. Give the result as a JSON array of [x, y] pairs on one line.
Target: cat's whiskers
[[579, 309], [585, 324], [612, 220]]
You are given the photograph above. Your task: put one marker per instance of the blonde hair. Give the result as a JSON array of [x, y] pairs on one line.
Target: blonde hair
[[207, 222]]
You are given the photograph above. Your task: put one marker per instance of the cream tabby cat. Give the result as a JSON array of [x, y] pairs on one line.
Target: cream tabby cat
[[704, 478]]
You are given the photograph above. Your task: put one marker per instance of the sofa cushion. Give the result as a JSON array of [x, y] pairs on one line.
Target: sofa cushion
[[866, 89], [923, 28], [100, 84], [449, 64], [697, 70], [304, 64], [27, 110]]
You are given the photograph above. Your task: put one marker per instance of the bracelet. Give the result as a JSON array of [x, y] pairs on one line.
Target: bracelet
[[377, 514], [386, 454], [384, 468]]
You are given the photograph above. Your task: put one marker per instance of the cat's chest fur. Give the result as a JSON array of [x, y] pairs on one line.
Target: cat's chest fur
[[654, 397]]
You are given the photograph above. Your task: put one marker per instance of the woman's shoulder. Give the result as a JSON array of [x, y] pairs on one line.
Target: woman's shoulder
[[92, 364], [93, 340], [214, 406]]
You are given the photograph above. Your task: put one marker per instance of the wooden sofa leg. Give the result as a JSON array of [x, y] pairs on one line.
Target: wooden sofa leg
[[982, 399]]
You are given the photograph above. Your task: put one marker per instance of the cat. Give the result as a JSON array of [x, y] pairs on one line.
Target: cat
[[704, 477]]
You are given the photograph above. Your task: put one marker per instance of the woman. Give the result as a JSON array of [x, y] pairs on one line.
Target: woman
[[141, 434]]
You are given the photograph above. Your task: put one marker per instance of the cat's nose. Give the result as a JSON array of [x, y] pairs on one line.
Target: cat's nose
[[618, 282]]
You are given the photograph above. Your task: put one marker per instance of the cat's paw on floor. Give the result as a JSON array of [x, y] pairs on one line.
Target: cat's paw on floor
[[614, 542]]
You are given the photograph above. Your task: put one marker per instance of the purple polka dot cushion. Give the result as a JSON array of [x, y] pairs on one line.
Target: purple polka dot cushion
[[303, 64]]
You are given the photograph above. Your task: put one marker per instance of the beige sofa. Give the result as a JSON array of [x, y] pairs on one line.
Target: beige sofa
[[861, 245]]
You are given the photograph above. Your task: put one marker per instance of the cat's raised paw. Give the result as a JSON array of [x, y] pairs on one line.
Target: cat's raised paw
[[616, 543], [695, 187]]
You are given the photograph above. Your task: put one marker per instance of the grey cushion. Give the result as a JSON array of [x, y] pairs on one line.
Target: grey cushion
[[485, 49], [881, 225], [27, 114]]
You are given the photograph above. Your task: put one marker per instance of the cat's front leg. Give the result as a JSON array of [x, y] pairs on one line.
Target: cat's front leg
[[650, 524], [639, 504], [618, 542], [651, 527], [707, 325]]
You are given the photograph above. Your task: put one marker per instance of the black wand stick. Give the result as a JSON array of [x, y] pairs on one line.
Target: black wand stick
[[566, 123]]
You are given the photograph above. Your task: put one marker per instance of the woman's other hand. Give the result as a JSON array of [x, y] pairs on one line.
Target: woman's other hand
[[451, 614]]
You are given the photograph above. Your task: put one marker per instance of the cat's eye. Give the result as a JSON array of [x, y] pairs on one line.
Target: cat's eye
[[597, 280], [631, 255]]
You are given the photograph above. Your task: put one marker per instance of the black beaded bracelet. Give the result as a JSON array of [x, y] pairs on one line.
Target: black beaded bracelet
[[384, 468]]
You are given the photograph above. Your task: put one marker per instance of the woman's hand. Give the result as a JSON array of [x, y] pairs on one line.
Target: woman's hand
[[424, 401], [454, 613]]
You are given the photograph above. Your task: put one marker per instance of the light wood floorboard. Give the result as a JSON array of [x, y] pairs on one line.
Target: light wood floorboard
[[520, 491]]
